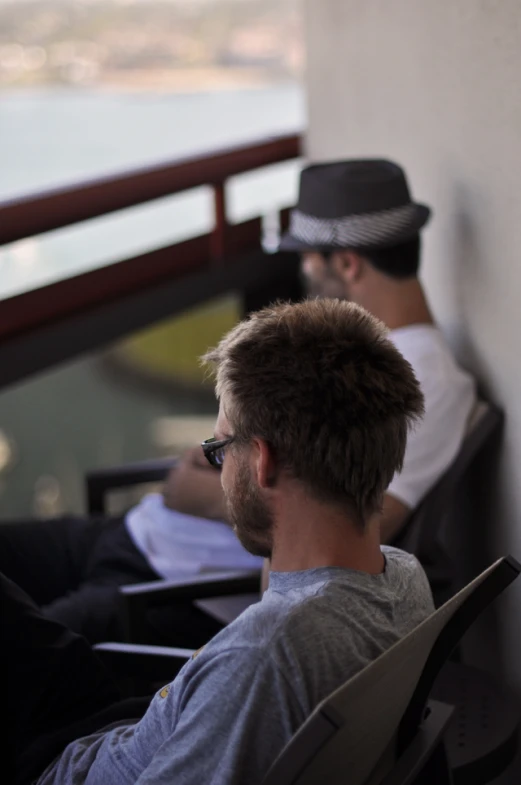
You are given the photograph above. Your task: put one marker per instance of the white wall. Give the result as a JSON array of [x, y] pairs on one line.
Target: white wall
[[436, 85]]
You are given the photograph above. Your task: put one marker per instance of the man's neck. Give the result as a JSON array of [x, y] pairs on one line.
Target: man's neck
[[399, 303], [308, 534]]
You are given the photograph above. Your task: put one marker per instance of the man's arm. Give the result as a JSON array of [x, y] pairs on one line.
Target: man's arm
[[393, 518], [223, 723], [193, 487], [236, 715]]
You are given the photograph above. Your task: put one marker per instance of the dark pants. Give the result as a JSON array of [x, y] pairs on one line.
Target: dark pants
[[55, 689], [72, 568]]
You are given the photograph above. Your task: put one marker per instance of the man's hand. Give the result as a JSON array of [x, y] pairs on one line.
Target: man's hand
[[193, 487]]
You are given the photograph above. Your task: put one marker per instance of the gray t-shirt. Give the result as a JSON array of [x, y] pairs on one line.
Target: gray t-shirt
[[237, 702]]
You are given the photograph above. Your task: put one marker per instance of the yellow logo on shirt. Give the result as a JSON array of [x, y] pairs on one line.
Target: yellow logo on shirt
[[164, 692]]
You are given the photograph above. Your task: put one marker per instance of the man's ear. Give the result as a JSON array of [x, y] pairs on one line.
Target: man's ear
[[264, 463], [349, 265]]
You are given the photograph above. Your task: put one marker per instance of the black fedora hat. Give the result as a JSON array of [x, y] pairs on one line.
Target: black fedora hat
[[362, 204]]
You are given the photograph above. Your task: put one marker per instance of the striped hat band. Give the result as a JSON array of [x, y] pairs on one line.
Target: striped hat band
[[352, 231]]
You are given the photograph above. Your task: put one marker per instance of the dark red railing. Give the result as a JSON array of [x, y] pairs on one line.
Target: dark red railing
[[55, 209]]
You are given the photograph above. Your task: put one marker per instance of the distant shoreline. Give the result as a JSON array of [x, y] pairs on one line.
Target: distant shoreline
[[182, 80]]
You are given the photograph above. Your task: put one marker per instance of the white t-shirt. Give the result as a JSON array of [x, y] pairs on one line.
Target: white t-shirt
[[450, 397], [175, 544]]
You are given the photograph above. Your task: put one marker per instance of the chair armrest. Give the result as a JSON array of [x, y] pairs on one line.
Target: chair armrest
[[150, 663], [138, 598], [99, 481], [194, 587], [226, 609]]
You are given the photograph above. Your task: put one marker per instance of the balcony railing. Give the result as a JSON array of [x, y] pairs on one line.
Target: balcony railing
[[55, 322]]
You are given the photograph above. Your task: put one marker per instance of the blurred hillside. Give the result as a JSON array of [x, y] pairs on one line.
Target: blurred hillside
[[170, 44]]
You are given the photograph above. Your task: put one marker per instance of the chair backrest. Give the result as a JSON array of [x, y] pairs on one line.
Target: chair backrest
[[426, 531], [357, 733]]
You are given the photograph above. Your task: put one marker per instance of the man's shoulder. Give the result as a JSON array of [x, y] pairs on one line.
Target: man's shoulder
[[405, 570], [433, 361], [420, 344], [270, 624], [403, 561], [312, 645]]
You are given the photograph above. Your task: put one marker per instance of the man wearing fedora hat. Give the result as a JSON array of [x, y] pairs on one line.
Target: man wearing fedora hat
[[358, 233], [357, 230]]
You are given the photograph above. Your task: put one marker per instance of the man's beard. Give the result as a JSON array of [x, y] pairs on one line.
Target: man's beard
[[249, 515], [329, 285]]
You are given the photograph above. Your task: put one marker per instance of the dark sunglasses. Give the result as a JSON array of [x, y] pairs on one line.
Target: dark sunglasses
[[214, 450]]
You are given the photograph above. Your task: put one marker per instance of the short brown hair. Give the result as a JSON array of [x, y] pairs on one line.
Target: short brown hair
[[321, 383]]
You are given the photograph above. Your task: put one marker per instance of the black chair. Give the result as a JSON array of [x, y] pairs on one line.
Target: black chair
[[138, 600], [434, 531], [385, 726], [101, 481]]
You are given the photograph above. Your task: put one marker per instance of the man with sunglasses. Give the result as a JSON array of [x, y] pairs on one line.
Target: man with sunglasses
[[315, 407]]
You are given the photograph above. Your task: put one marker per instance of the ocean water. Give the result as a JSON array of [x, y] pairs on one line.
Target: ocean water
[[52, 138], [61, 423]]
